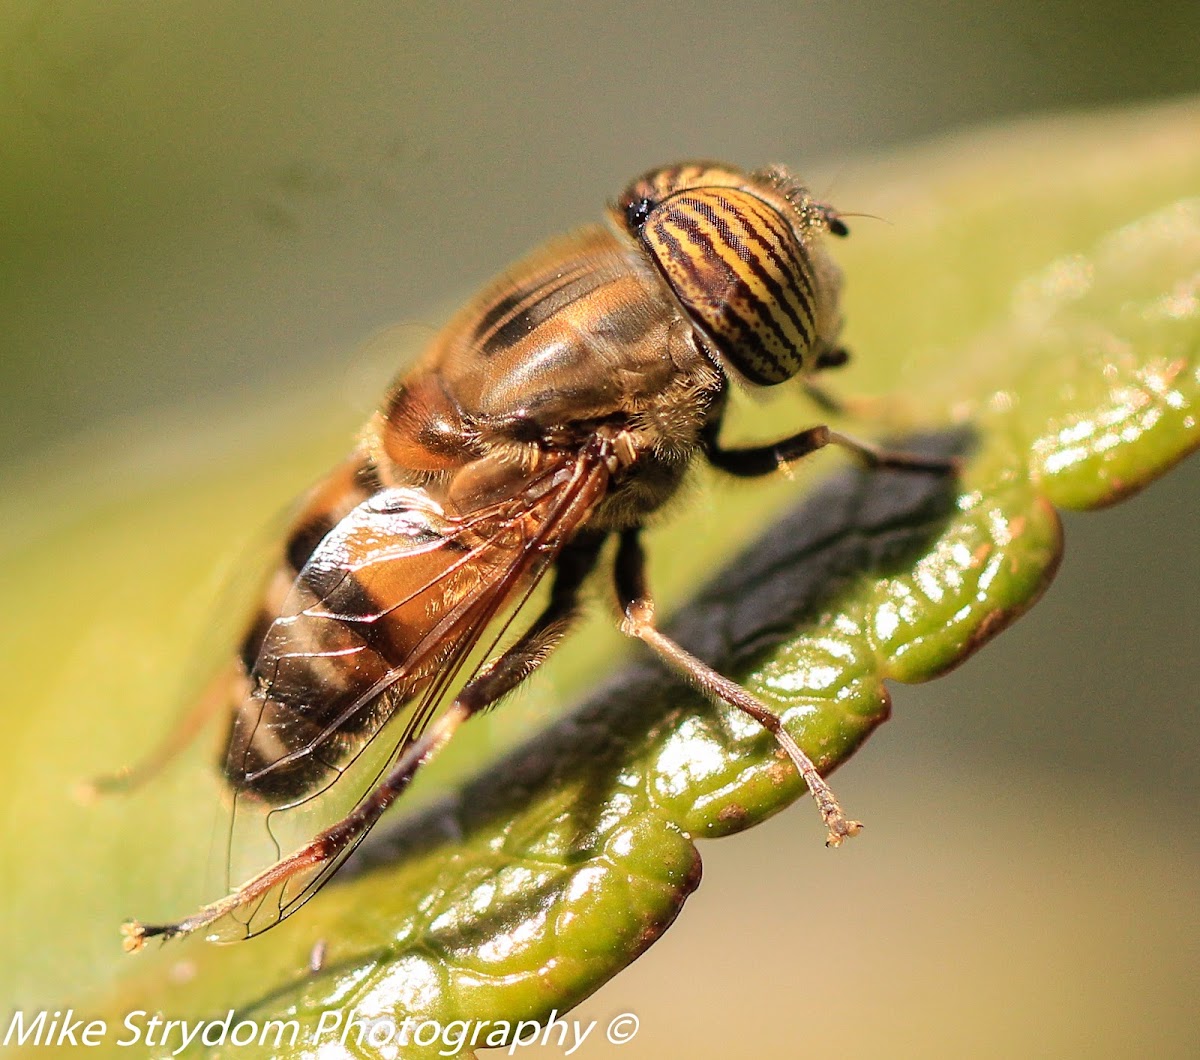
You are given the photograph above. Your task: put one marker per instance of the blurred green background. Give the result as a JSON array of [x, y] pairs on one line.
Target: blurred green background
[[213, 207]]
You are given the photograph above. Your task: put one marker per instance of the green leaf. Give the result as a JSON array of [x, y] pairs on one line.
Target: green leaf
[[1034, 305]]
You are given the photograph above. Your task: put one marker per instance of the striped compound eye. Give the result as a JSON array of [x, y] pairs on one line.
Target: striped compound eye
[[744, 271]]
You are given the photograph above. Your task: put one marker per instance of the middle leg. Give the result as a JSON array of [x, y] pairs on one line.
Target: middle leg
[[638, 607]]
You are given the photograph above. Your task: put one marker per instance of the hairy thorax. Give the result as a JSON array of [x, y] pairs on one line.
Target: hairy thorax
[[586, 343]]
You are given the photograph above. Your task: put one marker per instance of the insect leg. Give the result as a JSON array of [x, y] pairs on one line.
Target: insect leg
[[214, 698], [638, 607], [494, 681], [765, 459], [824, 400]]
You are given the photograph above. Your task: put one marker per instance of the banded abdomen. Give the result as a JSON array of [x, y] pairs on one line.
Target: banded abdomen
[[383, 613]]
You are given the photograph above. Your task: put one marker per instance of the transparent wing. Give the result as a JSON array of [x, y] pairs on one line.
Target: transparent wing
[[396, 608], [209, 680]]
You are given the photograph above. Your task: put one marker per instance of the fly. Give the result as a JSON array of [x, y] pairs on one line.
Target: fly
[[556, 412]]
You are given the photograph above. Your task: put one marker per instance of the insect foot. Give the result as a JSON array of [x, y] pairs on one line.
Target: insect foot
[[840, 826], [133, 936]]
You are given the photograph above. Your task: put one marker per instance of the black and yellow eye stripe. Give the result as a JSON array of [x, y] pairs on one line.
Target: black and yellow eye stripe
[[707, 301], [740, 270], [761, 226], [765, 290]]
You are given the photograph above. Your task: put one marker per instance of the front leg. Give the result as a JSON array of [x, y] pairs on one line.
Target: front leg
[[760, 460], [636, 602]]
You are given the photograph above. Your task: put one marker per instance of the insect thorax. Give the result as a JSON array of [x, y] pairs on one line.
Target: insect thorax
[[579, 336]]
